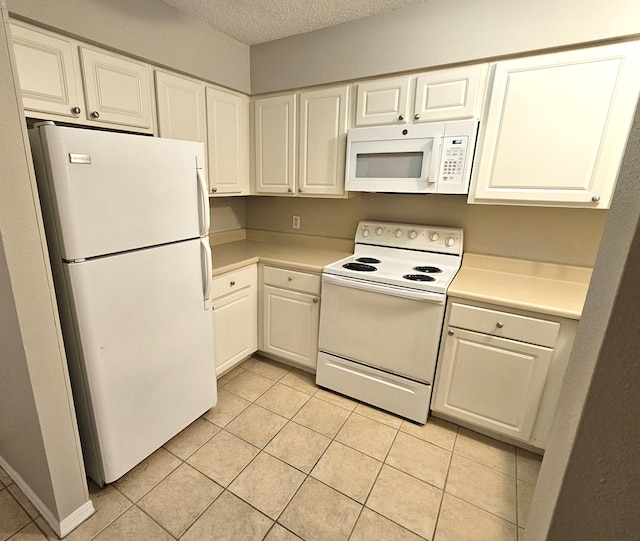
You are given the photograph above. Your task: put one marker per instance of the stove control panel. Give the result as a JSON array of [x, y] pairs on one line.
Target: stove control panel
[[426, 238]]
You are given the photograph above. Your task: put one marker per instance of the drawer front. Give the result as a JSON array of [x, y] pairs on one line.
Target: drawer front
[[299, 281], [233, 281], [504, 324]]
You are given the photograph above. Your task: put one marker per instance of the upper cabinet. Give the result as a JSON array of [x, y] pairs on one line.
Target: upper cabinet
[[228, 142], [62, 80], [188, 109], [556, 127], [384, 101], [181, 107], [322, 141], [300, 142], [275, 136], [449, 94]]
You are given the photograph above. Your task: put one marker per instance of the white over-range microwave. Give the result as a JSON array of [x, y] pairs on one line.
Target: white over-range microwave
[[425, 158]]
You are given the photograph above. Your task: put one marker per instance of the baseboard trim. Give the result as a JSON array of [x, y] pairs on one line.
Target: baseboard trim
[[60, 527]]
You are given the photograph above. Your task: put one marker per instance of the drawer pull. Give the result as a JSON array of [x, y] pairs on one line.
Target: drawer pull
[[232, 283], [499, 324], [290, 278], [450, 332]]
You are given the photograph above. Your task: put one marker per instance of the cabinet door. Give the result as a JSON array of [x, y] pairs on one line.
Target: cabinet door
[[323, 141], [235, 326], [383, 102], [450, 94], [228, 142], [275, 135], [557, 127], [117, 90], [290, 325], [48, 71], [491, 382], [181, 108]]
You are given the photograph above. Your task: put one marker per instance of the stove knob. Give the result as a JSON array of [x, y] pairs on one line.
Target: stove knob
[[434, 236], [450, 241], [398, 233], [413, 234], [365, 233], [379, 231]]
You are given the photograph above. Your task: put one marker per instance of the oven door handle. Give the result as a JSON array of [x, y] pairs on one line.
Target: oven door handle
[[385, 289]]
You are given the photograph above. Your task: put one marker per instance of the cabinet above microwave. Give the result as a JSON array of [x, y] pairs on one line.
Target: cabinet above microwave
[[428, 158]]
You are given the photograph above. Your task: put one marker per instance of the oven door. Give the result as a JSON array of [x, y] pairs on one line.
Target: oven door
[[394, 329]]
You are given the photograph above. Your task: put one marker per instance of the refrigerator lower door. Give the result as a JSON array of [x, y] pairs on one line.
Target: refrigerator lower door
[[145, 346]]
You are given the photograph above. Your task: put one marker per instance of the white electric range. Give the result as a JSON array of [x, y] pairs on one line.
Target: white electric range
[[382, 314]]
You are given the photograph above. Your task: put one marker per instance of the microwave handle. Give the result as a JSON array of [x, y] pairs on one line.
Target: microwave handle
[[435, 159]]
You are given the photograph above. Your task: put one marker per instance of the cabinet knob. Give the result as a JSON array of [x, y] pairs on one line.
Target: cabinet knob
[[76, 110], [401, 117], [299, 189], [214, 190], [315, 299], [232, 283], [450, 332], [595, 198], [289, 278], [289, 190], [416, 116], [95, 114], [499, 324]]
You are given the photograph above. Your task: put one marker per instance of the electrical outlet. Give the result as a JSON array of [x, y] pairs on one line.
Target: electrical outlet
[[296, 222]]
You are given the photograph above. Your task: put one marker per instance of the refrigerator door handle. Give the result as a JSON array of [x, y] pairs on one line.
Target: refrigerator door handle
[[204, 204], [206, 271]]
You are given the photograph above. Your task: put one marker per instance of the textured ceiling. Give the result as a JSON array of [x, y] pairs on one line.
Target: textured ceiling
[[259, 21]]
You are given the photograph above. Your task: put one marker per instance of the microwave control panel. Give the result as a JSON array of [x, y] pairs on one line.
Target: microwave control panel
[[452, 162]]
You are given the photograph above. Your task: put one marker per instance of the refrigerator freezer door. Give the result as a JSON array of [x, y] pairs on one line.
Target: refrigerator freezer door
[[146, 348], [113, 192]]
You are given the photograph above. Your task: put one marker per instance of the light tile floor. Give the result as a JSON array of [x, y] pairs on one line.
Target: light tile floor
[[280, 459]]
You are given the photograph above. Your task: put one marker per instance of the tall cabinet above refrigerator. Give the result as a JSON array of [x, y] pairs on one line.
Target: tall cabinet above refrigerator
[[127, 223]]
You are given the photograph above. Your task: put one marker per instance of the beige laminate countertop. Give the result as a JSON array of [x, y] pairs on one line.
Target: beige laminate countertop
[[545, 288], [233, 255]]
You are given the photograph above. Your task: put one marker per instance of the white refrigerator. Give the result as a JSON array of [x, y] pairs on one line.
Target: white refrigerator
[[127, 223]]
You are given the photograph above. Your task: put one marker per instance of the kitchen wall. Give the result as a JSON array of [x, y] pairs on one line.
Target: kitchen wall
[[38, 435], [227, 213], [436, 33], [569, 236], [148, 29]]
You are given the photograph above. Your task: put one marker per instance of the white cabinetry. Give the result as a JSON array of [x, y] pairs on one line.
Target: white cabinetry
[[300, 142], [501, 370], [275, 135], [181, 107], [323, 141], [556, 127], [448, 94], [61, 79], [383, 101], [290, 315], [228, 142], [235, 317]]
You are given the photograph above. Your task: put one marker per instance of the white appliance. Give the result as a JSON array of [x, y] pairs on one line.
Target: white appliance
[[127, 219], [382, 315], [436, 157]]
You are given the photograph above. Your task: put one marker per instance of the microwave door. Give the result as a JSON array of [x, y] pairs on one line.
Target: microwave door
[[401, 166]]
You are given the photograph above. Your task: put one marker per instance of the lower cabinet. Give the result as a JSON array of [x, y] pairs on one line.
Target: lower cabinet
[[290, 315], [235, 317], [501, 370]]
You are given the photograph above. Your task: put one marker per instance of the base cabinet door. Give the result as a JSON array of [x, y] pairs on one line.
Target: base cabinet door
[[491, 382], [290, 325], [235, 317]]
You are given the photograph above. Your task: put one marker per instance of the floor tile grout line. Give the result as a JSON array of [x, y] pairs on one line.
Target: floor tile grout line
[[444, 487]]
